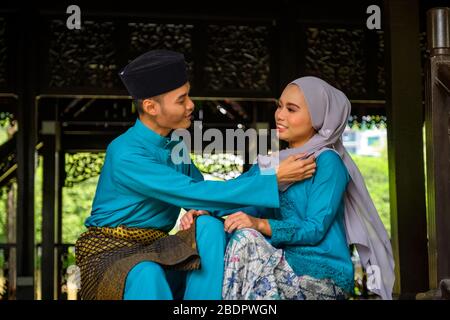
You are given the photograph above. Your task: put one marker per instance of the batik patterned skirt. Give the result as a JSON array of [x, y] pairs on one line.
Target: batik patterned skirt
[[255, 270]]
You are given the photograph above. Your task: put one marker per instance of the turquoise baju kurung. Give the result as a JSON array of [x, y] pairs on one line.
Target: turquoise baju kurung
[[140, 186], [309, 225]]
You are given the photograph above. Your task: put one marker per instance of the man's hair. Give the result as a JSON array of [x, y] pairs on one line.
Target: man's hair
[[139, 103]]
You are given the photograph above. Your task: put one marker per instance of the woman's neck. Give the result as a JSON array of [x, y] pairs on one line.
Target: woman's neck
[[300, 142], [293, 145]]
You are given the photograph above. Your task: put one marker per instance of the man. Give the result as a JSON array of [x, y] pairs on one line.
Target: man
[[127, 253]]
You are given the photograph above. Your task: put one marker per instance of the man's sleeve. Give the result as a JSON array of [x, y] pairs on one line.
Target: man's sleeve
[[254, 211], [142, 174]]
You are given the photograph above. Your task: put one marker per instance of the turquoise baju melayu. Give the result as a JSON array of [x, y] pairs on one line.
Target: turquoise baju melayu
[[140, 186]]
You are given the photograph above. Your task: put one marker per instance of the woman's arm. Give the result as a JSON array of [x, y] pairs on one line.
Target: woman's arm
[[240, 220]]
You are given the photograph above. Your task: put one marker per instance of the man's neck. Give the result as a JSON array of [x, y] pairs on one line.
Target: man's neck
[[149, 123]]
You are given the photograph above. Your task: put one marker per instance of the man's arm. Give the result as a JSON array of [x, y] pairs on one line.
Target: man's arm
[[142, 174]]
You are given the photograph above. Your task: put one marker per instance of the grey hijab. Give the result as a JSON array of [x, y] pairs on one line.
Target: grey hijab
[[330, 109]]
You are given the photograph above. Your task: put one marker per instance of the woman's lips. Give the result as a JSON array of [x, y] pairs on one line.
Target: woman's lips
[[281, 128]]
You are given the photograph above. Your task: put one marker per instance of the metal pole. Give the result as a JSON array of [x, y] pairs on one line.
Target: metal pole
[[438, 31], [437, 117]]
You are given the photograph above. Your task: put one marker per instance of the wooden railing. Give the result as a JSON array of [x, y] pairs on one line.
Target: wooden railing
[[65, 259]]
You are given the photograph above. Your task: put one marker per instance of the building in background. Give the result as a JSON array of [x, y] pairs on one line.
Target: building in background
[[365, 142]]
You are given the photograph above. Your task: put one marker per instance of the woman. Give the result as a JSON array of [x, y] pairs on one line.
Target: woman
[[300, 251]]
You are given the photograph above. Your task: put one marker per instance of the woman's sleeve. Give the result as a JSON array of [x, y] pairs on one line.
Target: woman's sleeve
[[325, 196], [142, 174]]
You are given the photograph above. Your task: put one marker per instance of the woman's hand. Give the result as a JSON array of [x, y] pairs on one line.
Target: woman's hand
[[293, 168], [187, 219], [240, 220]]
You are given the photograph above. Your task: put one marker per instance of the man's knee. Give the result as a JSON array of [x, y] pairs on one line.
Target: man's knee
[[209, 224], [210, 231]]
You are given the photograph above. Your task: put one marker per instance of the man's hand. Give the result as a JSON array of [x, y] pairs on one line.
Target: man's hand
[[187, 219], [293, 168], [240, 220]]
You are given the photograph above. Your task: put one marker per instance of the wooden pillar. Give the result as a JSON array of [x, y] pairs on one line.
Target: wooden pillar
[[27, 25], [437, 124], [51, 153], [60, 163], [405, 147], [61, 176], [290, 39]]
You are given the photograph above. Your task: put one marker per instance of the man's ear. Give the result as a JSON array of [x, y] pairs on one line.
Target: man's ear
[[150, 106]]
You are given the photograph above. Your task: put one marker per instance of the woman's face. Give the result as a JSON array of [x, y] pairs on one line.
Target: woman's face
[[292, 117]]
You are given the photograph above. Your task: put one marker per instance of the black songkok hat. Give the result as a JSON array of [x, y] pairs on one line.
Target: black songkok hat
[[153, 73]]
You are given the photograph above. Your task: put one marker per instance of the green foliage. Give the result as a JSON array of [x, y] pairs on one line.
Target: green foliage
[[77, 203], [38, 183], [77, 207], [223, 166], [375, 173], [3, 222], [4, 124], [83, 166]]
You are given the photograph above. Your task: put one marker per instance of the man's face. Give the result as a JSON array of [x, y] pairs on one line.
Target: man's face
[[174, 110]]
